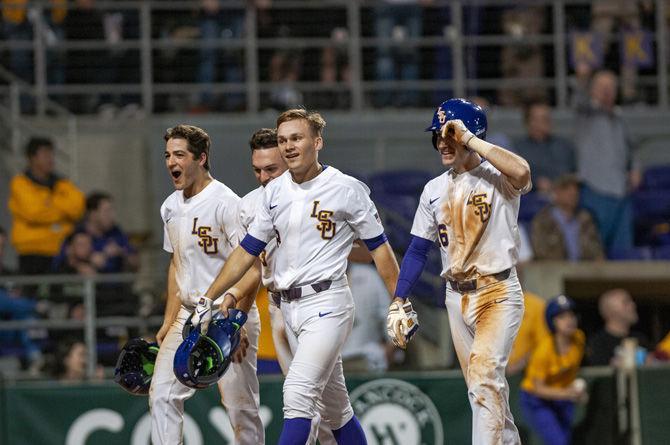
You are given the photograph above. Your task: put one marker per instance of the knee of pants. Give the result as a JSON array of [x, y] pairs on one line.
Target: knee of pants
[[300, 401], [483, 375]]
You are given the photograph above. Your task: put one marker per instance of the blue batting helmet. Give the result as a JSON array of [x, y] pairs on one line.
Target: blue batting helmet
[[201, 360], [471, 114], [135, 366], [557, 306]]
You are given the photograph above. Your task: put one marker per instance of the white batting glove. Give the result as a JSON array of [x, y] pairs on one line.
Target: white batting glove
[[202, 315], [402, 322], [456, 129]]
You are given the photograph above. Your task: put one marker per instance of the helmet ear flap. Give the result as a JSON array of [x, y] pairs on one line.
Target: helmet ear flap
[[435, 136]]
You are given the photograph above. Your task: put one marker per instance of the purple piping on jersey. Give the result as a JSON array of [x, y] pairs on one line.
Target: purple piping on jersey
[[412, 265], [375, 242], [252, 245]]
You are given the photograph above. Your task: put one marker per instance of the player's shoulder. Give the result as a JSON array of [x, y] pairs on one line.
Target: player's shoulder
[[342, 179], [437, 184], [170, 204], [222, 192], [278, 184], [251, 199]]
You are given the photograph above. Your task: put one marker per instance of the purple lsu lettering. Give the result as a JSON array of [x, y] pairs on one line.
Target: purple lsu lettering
[[209, 244], [326, 225]]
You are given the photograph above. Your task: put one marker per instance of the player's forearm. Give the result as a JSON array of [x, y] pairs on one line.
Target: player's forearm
[[236, 265], [511, 165], [172, 304], [246, 289], [387, 266]]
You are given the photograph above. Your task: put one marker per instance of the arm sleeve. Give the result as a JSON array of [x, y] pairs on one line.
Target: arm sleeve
[[412, 265], [262, 227], [362, 214], [424, 225], [229, 221], [167, 244]]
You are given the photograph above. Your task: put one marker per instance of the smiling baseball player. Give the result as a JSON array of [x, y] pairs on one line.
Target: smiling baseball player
[[268, 164], [314, 212], [472, 210], [201, 230]]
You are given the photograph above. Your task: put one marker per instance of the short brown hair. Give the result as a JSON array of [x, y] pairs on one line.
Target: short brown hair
[[197, 138], [263, 138], [314, 119]]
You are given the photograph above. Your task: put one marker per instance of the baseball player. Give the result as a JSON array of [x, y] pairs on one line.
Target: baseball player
[[201, 229], [314, 212], [268, 164], [472, 210]]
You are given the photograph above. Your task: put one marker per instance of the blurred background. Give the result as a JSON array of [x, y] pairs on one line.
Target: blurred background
[[87, 88]]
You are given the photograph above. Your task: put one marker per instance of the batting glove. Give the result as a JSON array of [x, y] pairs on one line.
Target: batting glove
[[457, 130], [202, 315], [402, 322]]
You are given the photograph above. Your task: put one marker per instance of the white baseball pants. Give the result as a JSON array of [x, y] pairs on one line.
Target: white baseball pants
[[484, 324]]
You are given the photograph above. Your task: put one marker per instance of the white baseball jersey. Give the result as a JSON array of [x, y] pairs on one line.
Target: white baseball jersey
[[458, 209], [249, 206], [315, 224], [200, 232]]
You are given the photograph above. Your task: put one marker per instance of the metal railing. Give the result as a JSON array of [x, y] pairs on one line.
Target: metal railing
[[20, 128], [91, 322], [358, 46]]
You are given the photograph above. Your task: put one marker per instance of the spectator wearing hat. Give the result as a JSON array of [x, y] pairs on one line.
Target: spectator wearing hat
[[550, 388], [563, 230]]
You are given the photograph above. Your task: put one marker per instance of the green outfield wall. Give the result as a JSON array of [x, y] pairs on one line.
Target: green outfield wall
[[396, 409]]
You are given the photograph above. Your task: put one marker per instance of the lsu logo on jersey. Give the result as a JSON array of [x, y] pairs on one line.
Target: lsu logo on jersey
[[326, 225], [482, 208], [209, 244]]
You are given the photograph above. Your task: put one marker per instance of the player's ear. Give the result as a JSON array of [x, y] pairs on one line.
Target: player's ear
[[319, 143], [203, 159]]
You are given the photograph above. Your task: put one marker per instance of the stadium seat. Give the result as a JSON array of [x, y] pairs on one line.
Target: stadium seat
[[651, 204], [662, 253], [400, 182], [642, 253], [657, 177]]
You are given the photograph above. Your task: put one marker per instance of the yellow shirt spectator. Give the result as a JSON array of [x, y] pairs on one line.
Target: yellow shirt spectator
[[532, 331], [43, 216], [558, 371]]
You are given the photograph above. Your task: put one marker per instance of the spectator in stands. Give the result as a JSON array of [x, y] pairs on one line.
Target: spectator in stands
[[367, 349], [44, 207], [563, 230], [14, 306], [71, 360], [604, 160], [214, 24], [550, 388], [495, 137], [108, 238], [619, 313], [16, 28], [549, 156], [334, 69], [520, 59], [532, 331], [397, 21], [80, 258]]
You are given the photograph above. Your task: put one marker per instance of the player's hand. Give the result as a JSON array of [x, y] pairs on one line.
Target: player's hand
[[225, 302], [202, 315], [162, 332], [457, 130], [402, 322], [241, 350]]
